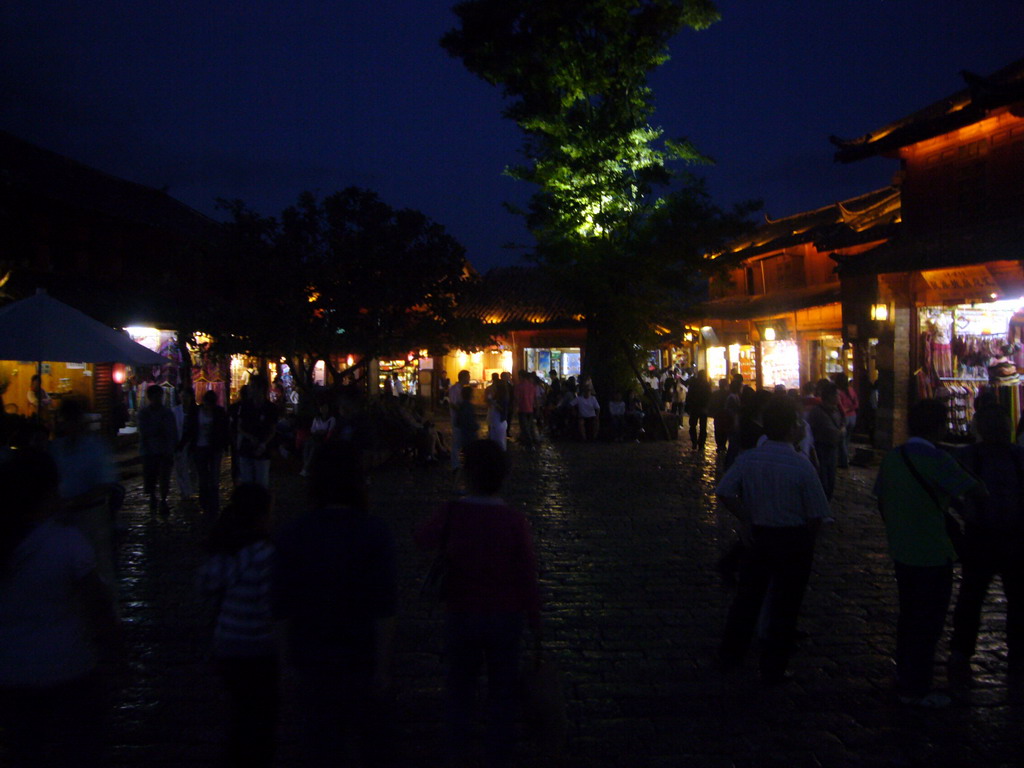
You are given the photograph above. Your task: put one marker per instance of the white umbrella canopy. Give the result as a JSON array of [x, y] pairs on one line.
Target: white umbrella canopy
[[42, 328]]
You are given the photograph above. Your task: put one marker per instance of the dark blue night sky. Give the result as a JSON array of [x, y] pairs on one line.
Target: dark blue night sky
[[261, 100]]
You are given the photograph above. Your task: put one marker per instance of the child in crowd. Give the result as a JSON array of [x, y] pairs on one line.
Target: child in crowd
[[238, 575]]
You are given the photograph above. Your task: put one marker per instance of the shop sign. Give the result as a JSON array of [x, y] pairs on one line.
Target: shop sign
[[981, 322], [961, 283]]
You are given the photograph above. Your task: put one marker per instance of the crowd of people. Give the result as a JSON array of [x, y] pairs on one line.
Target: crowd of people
[[330, 575], [779, 485]]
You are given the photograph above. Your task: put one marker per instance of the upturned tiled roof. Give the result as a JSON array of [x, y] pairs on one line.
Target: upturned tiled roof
[[29, 170], [518, 297], [860, 219], [967, 106]]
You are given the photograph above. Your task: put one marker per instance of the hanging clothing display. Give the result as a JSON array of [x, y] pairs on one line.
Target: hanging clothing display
[[965, 351]]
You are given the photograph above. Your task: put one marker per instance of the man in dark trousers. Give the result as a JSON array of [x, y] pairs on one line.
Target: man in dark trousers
[[993, 545], [698, 398], [916, 484], [158, 437], [775, 493]]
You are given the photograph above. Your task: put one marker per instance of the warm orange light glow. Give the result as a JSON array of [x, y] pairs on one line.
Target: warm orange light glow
[[984, 129]]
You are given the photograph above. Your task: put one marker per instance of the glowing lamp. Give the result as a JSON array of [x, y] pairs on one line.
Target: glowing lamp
[[118, 374], [769, 334], [880, 312]]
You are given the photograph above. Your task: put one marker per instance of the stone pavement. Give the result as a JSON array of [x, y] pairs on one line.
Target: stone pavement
[[627, 537]]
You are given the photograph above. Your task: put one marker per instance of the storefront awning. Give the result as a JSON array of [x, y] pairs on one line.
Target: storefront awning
[[754, 307]]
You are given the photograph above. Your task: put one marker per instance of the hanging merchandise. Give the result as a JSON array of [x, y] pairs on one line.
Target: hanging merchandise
[[965, 350]]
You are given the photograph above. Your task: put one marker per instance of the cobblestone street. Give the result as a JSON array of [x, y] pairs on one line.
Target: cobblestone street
[[627, 537]]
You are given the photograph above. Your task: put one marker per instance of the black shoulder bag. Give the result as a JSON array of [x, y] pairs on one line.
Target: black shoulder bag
[[953, 528]]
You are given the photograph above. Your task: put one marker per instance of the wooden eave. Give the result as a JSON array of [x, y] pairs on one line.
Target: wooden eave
[[998, 241], [854, 220], [766, 305], [1003, 90]]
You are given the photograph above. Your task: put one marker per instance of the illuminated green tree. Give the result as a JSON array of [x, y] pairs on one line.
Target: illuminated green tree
[[574, 73]]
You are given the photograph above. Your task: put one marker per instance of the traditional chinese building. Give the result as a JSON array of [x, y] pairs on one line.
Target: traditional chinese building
[[775, 312], [942, 301], [535, 327]]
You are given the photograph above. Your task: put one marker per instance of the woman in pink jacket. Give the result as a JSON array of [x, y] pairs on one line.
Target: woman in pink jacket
[[490, 588]]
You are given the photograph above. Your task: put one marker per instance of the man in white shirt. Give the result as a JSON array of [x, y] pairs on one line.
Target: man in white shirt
[[777, 497]]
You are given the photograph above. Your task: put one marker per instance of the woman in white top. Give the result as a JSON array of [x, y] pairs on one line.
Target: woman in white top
[[587, 410]]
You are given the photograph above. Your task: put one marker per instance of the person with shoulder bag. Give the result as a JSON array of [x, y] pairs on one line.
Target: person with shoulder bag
[[916, 484]]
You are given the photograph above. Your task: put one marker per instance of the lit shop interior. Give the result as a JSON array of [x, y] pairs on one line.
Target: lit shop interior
[[479, 364], [564, 360], [967, 348], [780, 357], [408, 370]]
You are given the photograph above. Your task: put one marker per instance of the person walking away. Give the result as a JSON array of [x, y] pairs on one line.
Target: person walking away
[[184, 418], [335, 584], [827, 428], [57, 622], [993, 546], [698, 399], [525, 400], [490, 588], [87, 478], [849, 404], [237, 575], [916, 484], [510, 388], [465, 420], [208, 444], [158, 437], [257, 425], [721, 418], [497, 408], [587, 411], [320, 432], [774, 493], [454, 402], [732, 410]]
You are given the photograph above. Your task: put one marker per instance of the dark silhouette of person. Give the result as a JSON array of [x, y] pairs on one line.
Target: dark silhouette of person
[[335, 585]]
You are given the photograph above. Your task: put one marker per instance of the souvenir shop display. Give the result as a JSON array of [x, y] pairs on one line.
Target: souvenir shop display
[[966, 350]]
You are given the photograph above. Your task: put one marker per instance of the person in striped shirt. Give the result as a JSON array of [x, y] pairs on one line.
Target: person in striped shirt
[[238, 576]]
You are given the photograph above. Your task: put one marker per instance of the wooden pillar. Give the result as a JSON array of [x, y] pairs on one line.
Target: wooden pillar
[[903, 375]]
